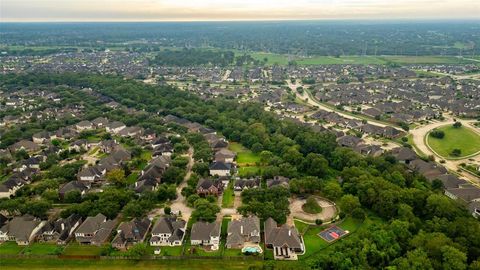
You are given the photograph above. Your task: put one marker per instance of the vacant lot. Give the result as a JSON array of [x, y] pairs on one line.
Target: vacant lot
[[463, 138], [82, 250], [244, 156]]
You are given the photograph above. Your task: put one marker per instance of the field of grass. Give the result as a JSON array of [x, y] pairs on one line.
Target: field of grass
[[463, 138], [246, 171], [244, 156], [82, 250], [132, 178], [313, 243], [10, 248], [282, 59], [42, 249], [33, 264], [228, 197]]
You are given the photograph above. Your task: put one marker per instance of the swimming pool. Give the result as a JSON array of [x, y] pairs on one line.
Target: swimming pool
[[252, 249]]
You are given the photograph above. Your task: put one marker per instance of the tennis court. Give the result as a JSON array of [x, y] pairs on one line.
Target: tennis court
[[331, 234]]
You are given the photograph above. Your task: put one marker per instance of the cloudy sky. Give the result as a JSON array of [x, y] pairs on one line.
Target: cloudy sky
[[200, 10]]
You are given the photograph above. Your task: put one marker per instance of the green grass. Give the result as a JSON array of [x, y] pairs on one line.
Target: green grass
[[132, 178], [82, 250], [314, 244], [245, 171], [10, 248], [244, 155], [312, 206], [228, 197], [64, 264], [42, 249], [463, 138], [168, 251]]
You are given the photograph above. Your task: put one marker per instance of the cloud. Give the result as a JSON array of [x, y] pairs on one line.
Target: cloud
[[165, 10]]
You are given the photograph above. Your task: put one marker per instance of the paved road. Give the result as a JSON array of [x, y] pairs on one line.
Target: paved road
[[311, 101]]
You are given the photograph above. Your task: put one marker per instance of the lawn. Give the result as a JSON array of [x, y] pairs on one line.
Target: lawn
[[246, 171], [82, 250], [244, 156], [42, 249], [228, 197], [10, 248], [69, 264], [167, 251], [463, 138], [313, 243]]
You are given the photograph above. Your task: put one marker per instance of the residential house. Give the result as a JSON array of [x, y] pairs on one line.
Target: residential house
[[285, 241], [100, 122], [91, 174], [22, 229], [131, 232], [28, 146], [79, 186], [220, 168], [242, 184], [60, 230], [168, 231], [224, 155], [115, 127], [10, 186], [41, 137], [84, 125], [278, 181], [244, 230], [208, 186], [94, 230], [206, 234]]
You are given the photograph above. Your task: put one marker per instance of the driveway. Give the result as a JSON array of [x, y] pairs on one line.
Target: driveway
[[329, 210]]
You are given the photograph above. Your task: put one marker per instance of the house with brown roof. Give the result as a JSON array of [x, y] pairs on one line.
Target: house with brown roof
[[209, 186]]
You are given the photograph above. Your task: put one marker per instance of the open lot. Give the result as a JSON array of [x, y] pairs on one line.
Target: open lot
[[463, 138]]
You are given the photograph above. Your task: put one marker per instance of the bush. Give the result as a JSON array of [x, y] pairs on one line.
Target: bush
[[311, 206], [439, 134], [457, 124], [456, 152], [318, 221], [167, 210]]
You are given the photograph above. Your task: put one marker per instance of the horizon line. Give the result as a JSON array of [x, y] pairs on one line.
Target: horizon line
[[403, 19]]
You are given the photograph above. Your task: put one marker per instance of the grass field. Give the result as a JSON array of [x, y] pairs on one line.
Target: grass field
[[462, 138], [282, 59], [33, 264], [10, 248], [228, 197], [313, 243], [246, 171], [82, 250], [42, 249], [244, 156]]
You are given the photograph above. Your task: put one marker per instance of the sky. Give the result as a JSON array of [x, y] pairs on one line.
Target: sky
[[226, 10]]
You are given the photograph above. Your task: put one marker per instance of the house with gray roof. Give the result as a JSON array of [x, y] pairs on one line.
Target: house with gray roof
[[244, 230], [60, 230], [206, 234], [21, 229], [168, 231], [94, 230], [131, 232], [285, 241], [79, 186]]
